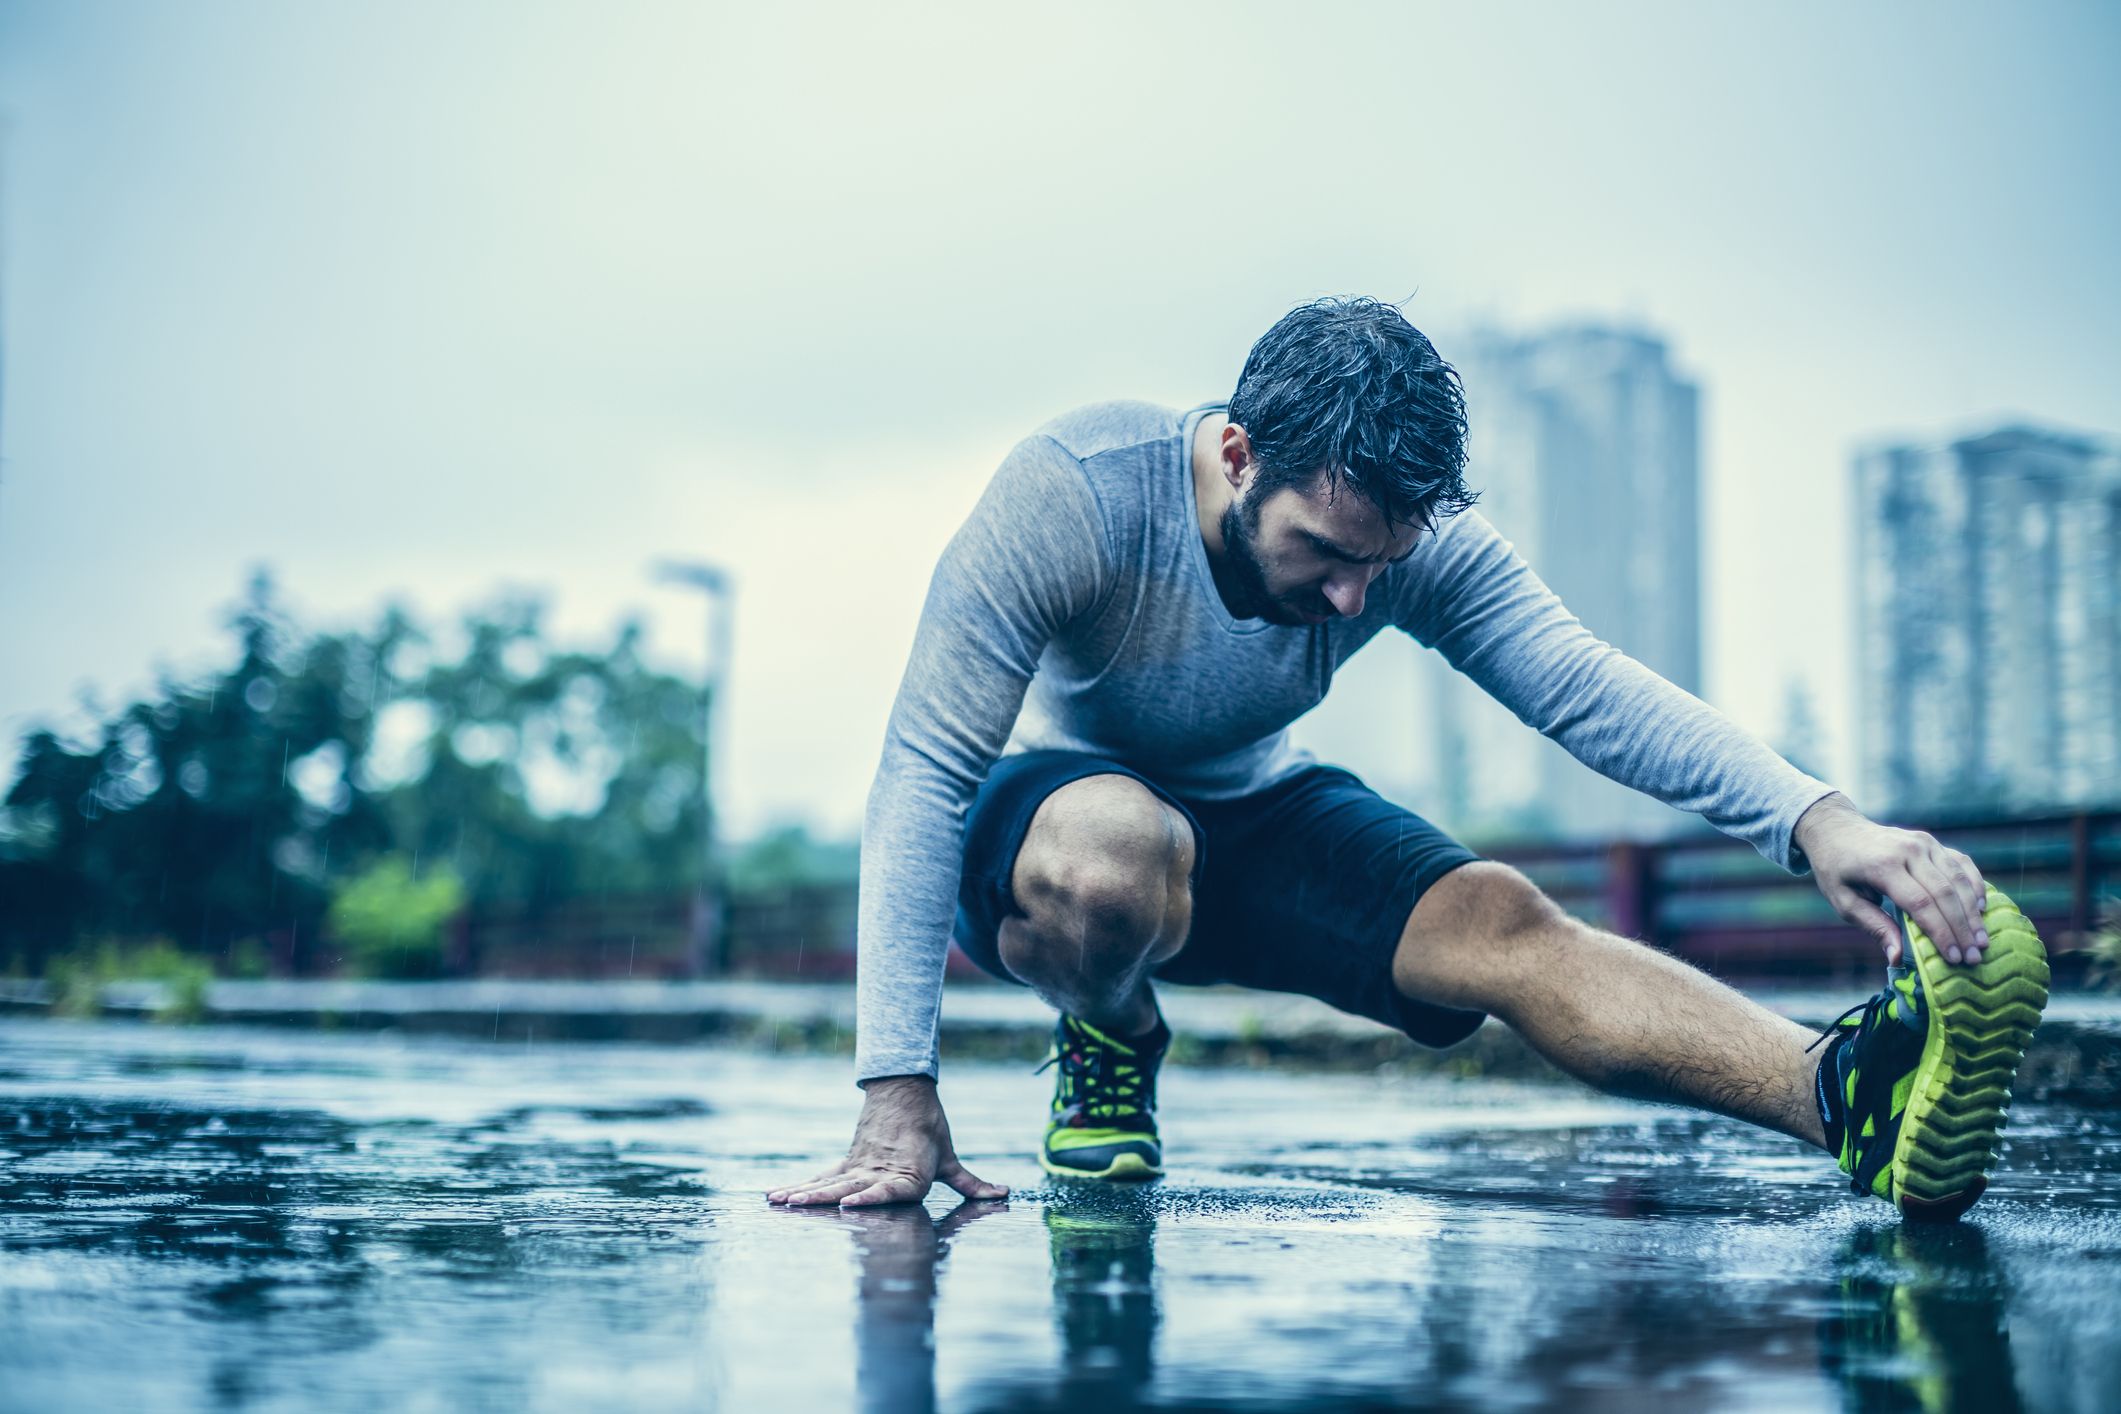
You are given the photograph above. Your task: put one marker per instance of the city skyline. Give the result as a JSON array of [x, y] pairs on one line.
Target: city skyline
[[1988, 587], [1590, 445], [424, 304]]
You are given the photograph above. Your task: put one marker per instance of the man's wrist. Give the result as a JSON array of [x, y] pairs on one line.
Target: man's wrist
[[885, 1086], [1818, 817]]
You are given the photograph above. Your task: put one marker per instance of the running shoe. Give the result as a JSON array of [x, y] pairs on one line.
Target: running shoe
[[1103, 1123], [1920, 1075]]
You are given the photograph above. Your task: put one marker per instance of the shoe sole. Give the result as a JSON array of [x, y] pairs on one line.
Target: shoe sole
[[1125, 1168], [1980, 1022]]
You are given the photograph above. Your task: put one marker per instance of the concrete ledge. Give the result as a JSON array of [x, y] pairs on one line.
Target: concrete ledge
[[2075, 1057]]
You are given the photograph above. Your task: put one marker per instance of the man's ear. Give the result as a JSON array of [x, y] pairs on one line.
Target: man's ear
[[1236, 455]]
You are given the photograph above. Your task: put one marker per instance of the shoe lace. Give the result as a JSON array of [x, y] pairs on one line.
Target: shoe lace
[[1880, 1001], [1834, 1026], [1097, 1081]]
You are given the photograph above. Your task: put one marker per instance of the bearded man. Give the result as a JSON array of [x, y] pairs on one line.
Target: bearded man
[[1087, 781]]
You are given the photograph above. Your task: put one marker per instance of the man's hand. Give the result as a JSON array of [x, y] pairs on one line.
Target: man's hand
[[901, 1146], [1857, 860]]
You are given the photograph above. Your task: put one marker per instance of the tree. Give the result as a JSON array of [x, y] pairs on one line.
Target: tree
[[228, 808], [182, 819]]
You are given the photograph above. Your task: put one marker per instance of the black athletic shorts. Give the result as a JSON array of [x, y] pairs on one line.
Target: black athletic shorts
[[1302, 887]]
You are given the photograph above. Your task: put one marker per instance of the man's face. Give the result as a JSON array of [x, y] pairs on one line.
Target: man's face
[[1298, 558]]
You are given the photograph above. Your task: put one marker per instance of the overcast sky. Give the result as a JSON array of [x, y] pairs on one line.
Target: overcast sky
[[420, 300]]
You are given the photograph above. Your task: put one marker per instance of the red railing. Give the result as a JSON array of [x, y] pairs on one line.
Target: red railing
[[1706, 898], [1717, 903]]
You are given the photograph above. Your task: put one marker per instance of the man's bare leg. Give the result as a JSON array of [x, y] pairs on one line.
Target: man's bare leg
[[1103, 885], [1104, 882], [1614, 1013], [1104, 879]]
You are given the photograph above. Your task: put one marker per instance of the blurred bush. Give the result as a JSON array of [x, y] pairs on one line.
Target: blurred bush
[[2106, 948], [247, 960], [391, 923], [228, 810], [78, 978], [791, 858]]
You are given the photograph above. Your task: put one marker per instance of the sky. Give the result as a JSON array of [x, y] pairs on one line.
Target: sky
[[417, 302]]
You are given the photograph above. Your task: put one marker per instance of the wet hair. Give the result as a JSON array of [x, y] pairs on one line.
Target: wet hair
[[1349, 389]]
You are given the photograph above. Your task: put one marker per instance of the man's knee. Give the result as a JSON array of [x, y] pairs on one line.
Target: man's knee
[[1104, 870], [1475, 933]]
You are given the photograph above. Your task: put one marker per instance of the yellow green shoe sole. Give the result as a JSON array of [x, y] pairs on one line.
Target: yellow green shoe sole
[[1124, 1168], [1980, 1021]]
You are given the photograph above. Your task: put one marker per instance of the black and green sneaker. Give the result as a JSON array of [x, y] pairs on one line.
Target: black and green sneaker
[[1914, 1089], [1104, 1104]]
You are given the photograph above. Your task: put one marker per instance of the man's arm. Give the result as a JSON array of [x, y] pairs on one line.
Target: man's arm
[[1473, 598], [1032, 555]]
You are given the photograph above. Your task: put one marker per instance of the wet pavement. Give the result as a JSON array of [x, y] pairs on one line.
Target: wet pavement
[[227, 1218]]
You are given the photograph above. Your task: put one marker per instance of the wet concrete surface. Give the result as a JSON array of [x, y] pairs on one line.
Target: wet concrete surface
[[2075, 1056], [227, 1218]]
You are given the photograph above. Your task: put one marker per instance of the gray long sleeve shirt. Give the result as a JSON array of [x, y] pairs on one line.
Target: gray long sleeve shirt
[[1075, 609]]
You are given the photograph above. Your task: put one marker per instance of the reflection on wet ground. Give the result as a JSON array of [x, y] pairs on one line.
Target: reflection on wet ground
[[234, 1219]]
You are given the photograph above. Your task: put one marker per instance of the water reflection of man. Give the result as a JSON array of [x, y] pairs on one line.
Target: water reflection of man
[[899, 1255], [1920, 1325], [1087, 772], [1104, 1300], [1105, 1306]]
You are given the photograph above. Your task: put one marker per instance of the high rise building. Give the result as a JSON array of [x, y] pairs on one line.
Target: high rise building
[[1988, 593], [1585, 445]]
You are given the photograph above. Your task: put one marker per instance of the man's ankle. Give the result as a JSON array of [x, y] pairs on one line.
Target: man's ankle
[[1150, 1037]]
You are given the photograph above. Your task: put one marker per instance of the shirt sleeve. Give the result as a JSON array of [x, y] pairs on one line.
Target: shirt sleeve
[[1033, 554], [1471, 596]]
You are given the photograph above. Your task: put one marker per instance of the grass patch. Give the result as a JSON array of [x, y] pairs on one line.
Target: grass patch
[[78, 978]]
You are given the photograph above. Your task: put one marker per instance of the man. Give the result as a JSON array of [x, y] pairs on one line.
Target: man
[[1138, 607]]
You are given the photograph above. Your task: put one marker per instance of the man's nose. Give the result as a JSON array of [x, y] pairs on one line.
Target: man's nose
[[1346, 593]]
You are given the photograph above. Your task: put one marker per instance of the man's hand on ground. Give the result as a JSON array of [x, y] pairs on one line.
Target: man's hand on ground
[[901, 1146], [1856, 861]]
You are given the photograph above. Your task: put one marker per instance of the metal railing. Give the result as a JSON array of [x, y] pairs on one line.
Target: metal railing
[[1706, 898], [1717, 903]]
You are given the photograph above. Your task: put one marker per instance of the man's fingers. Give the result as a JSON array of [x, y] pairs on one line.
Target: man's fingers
[[1972, 888], [1871, 919], [966, 1182], [1945, 870], [898, 1188], [780, 1195], [1938, 907], [829, 1192], [805, 1197]]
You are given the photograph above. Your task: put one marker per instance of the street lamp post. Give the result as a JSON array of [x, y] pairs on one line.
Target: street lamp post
[[709, 940]]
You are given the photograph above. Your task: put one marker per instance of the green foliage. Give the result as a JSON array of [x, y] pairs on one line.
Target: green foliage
[[78, 978], [549, 774], [77, 988], [790, 858], [2106, 948], [227, 811], [247, 960], [391, 923], [183, 818]]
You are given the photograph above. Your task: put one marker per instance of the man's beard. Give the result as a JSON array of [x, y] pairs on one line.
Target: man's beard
[[1248, 577]]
